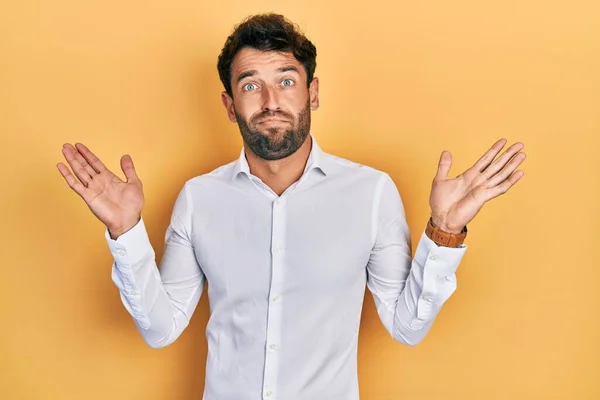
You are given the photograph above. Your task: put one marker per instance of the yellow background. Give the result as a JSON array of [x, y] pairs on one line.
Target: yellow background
[[400, 82]]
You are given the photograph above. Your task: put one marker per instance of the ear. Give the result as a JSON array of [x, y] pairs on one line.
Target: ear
[[228, 104], [313, 91]]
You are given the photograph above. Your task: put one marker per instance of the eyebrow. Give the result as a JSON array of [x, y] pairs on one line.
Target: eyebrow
[[246, 74], [286, 69], [253, 72]]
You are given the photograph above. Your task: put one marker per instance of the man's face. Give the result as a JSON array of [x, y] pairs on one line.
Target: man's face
[[271, 102]]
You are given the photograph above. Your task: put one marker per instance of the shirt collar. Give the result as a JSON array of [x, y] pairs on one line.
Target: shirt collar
[[315, 161]]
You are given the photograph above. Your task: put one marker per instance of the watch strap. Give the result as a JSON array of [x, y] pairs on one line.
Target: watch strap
[[443, 238]]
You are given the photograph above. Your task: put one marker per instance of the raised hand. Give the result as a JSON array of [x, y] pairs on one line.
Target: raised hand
[[455, 202], [116, 203]]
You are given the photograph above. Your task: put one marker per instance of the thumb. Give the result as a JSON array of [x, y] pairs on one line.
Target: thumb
[[443, 166], [128, 168]]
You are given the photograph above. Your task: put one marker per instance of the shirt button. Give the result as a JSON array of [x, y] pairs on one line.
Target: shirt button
[[121, 253], [272, 347], [277, 202], [269, 393], [433, 258], [275, 299]]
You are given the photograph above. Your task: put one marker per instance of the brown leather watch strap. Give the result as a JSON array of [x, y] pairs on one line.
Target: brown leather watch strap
[[442, 238]]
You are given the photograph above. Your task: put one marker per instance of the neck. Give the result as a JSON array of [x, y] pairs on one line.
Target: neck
[[280, 174]]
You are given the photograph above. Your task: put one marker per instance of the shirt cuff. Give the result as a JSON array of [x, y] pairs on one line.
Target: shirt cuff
[[131, 246], [439, 259]]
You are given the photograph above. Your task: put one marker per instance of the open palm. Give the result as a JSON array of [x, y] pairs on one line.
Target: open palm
[[455, 202], [117, 203]]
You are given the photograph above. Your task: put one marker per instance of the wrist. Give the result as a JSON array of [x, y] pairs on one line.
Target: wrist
[[444, 226], [117, 230]]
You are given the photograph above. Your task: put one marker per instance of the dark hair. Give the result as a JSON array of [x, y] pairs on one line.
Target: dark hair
[[267, 32]]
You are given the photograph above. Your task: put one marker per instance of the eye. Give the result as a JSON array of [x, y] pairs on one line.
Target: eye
[[249, 86], [287, 82]]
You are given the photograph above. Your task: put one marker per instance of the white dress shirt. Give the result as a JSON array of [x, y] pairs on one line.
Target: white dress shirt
[[286, 276]]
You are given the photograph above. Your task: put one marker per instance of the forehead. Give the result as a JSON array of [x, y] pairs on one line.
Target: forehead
[[262, 61]]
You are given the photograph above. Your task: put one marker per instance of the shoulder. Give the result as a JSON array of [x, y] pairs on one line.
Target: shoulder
[[221, 174], [209, 184], [346, 168]]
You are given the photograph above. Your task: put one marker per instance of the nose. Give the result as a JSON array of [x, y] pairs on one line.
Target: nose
[[270, 99]]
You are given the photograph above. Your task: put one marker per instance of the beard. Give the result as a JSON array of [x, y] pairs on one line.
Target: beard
[[275, 143]]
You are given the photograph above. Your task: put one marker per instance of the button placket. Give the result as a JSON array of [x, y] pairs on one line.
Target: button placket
[[274, 310], [429, 292], [125, 277]]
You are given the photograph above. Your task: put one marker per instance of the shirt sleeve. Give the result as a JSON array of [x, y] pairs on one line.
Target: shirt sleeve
[[161, 299], [408, 292]]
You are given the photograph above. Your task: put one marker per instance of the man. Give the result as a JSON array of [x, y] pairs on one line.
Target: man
[[287, 236]]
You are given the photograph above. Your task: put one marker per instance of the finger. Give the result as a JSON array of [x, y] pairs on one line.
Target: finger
[[84, 164], [443, 166], [507, 184], [70, 179], [489, 156], [91, 158], [508, 169], [502, 160], [70, 154], [128, 168]]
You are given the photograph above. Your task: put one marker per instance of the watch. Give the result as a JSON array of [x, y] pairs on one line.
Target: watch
[[443, 238]]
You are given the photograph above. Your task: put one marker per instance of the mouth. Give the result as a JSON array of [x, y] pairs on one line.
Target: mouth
[[271, 121]]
